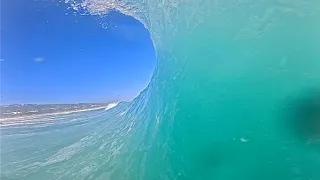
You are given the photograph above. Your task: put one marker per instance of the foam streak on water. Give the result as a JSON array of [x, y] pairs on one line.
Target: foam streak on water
[[235, 95]]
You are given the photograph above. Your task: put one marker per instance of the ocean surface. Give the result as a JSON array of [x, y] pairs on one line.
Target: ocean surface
[[235, 95]]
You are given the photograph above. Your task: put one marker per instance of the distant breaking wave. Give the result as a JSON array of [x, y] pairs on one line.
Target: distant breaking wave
[[111, 105], [235, 95]]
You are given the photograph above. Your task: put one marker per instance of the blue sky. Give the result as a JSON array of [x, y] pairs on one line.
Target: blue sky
[[50, 55]]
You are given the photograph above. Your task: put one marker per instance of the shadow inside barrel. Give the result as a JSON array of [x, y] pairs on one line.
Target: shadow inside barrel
[[302, 116]]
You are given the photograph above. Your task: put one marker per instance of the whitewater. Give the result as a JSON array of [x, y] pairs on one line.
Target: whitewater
[[235, 95]]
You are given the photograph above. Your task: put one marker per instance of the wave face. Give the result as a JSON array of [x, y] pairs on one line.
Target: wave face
[[235, 95]]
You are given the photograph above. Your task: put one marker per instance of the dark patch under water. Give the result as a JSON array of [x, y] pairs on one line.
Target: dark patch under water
[[303, 116]]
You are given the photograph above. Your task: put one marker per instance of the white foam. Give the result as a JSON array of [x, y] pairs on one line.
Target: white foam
[[111, 105]]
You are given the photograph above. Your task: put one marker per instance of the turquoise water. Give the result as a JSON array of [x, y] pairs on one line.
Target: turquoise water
[[235, 95]]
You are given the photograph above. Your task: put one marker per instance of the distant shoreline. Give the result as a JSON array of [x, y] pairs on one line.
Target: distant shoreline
[[13, 120], [48, 114]]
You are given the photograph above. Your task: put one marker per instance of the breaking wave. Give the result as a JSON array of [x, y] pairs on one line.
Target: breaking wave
[[217, 106]]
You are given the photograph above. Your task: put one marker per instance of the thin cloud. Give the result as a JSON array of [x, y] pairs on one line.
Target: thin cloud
[[130, 32], [38, 59], [1, 60]]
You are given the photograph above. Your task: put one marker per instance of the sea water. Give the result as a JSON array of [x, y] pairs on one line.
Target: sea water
[[235, 95]]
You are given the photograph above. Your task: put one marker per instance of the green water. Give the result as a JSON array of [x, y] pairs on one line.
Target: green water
[[235, 95], [225, 84]]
